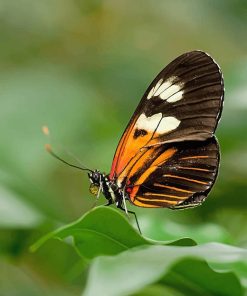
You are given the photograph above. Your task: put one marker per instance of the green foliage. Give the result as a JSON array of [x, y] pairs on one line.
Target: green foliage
[[103, 231], [100, 232], [124, 262]]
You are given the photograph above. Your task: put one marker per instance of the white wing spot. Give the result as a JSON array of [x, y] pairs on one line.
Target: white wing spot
[[168, 124], [175, 97], [168, 90], [165, 125], [150, 93], [148, 123], [163, 87], [158, 85], [154, 89]]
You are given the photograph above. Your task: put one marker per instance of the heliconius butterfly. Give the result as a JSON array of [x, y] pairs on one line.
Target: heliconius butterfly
[[168, 155]]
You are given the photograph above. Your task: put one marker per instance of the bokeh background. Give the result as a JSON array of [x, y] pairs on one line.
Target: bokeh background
[[81, 67]]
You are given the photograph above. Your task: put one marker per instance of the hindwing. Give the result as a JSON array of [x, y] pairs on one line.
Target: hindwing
[[175, 176]]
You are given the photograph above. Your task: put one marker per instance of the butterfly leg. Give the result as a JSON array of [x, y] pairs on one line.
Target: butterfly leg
[[137, 223], [125, 207], [129, 212]]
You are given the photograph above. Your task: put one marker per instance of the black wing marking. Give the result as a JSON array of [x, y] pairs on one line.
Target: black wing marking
[[193, 94], [183, 180]]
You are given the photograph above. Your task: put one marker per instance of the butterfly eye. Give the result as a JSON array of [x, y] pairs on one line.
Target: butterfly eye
[[96, 176], [94, 189]]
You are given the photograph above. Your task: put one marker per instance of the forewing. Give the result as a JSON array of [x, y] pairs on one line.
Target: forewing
[[178, 176], [183, 103]]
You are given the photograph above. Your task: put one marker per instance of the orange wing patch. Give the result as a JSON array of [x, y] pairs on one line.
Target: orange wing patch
[[185, 179], [127, 149], [173, 176], [143, 132], [157, 162]]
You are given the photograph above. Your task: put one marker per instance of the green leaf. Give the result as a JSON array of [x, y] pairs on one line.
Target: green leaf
[[157, 290], [132, 270], [194, 277], [159, 227], [103, 231]]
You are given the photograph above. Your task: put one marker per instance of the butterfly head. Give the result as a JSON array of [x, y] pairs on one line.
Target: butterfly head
[[95, 178]]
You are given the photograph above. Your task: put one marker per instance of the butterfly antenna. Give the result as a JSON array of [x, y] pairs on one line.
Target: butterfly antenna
[[75, 158], [49, 150]]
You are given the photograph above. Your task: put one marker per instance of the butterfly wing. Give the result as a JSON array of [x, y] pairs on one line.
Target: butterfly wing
[[176, 175], [183, 103]]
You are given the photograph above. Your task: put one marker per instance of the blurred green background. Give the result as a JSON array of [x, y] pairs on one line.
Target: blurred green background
[[81, 67]]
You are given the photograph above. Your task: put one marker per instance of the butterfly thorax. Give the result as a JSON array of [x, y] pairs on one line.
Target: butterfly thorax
[[101, 183]]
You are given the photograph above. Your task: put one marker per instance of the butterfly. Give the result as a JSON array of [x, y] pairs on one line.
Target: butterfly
[[168, 155]]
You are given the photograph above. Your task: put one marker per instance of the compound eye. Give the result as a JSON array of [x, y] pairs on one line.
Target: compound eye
[[94, 189], [96, 176]]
